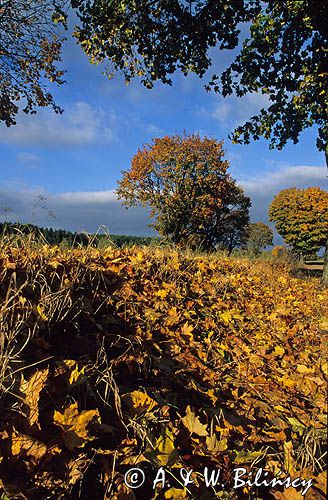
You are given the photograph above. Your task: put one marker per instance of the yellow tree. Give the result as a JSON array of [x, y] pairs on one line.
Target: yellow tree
[[185, 182], [301, 218]]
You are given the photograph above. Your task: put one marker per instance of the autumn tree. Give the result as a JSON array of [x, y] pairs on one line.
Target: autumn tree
[[236, 224], [301, 218], [283, 55], [184, 180], [259, 236], [30, 47]]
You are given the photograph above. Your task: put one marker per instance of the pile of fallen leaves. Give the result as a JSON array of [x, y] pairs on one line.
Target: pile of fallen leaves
[[152, 358]]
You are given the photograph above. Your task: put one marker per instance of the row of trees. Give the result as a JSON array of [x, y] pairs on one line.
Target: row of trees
[[61, 236], [258, 236]]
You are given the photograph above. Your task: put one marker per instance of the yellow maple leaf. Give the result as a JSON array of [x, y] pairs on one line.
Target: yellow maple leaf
[[323, 323], [32, 448], [76, 375], [187, 329], [303, 369], [162, 293], [193, 423], [31, 389], [40, 309], [22, 300], [324, 368], [140, 401], [164, 448], [226, 316], [175, 493], [75, 423], [279, 351], [287, 381], [139, 257], [70, 363], [215, 445]]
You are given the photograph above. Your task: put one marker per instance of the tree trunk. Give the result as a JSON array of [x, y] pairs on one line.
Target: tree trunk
[[325, 268]]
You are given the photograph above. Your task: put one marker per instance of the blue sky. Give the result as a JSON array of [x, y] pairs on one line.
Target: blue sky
[[76, 158]]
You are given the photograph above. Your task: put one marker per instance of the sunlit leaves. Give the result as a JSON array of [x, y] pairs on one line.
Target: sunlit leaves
[[75, 423], [153, 357], [23, 445], [140, 402], [164, 452], [193, 424], [215, 445], [31, 389]]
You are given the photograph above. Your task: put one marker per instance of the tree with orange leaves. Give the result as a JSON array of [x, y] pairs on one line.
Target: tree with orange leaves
[[184, 180]]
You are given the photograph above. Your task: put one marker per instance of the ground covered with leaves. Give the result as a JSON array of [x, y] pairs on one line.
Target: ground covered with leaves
[[152, 358]]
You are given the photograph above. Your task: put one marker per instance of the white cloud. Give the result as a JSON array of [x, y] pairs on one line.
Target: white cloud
[[76, 211], [29, 160], [285, 177], [25, 157], [88, 210], [233, 111], [80, 125], [154, 130], [233, 157], [89, 197], [262, 188]]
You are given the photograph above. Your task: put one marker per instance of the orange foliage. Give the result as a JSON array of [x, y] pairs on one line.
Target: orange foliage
[[185, 182]]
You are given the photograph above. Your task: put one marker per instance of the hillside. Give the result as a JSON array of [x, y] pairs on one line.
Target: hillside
[[151, 358]]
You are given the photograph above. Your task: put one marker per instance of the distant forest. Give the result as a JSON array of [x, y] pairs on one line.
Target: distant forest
[[61, 236]]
